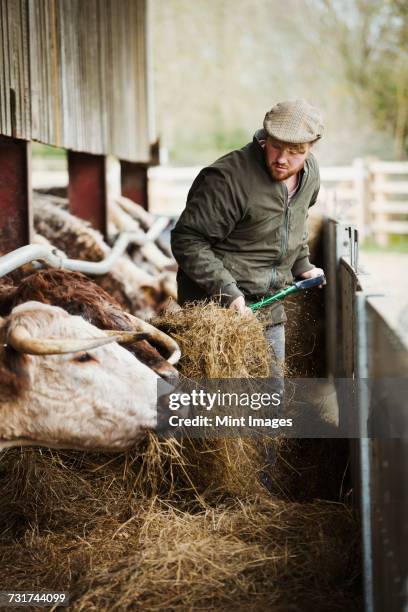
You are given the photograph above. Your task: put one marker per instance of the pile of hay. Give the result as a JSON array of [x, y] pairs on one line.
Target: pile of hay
[[84, 524], [217, 342], [184, 524]]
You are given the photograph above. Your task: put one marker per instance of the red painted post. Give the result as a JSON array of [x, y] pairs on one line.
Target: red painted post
[[134, 182], [87, 189], [15, 194]]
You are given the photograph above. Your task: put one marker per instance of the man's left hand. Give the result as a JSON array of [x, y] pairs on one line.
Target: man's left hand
[[313, 273]]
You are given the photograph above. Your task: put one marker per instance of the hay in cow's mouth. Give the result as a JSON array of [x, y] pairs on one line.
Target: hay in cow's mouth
[[184, 524]]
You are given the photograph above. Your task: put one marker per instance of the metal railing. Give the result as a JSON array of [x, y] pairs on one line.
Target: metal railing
[[48, 255], [365, 346]]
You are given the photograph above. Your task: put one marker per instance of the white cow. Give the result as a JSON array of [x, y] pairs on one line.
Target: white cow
[[67, 384]]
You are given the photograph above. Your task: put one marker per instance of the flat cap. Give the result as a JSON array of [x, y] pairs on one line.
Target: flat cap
[[294, 121]]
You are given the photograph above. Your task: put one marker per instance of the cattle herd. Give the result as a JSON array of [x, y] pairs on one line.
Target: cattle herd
[[79, 362]]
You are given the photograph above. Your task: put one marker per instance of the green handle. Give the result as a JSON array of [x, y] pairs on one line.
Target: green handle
[[274, 298]]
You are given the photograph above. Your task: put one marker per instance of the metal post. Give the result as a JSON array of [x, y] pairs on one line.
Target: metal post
[[15, 194], [365, 448], [87, 189], [134, 182]]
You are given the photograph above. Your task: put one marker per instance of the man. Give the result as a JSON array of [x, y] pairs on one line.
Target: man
[[243, 233]]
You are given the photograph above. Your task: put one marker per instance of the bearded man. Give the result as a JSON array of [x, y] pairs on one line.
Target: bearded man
[[242, 235]]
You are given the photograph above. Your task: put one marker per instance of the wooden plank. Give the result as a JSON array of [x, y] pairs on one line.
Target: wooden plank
[[174, 174], [389, 167], [391, 207], [24, 77], [35, 65], [337, 173], [345, 194], [103, 54], [65, 77], [384, 186], [142, 145], [55, 94], [13, 50], [390, 227], [3, 61]]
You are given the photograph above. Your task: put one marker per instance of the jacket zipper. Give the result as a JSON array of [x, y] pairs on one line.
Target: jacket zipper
[[284, 241], [285, 236], [273, 279]]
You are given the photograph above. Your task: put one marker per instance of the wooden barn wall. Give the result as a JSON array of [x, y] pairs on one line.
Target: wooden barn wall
[[14, 69], [73, 74]]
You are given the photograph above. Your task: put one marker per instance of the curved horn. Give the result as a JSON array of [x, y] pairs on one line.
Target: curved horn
[[159, 338], [21, 340]]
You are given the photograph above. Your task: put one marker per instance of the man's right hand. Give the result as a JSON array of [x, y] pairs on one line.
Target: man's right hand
[[239, 305]]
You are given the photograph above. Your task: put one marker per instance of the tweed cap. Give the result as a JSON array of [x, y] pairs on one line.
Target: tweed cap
[[294, 121]]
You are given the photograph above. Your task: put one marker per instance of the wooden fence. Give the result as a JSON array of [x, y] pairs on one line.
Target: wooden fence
[[372, 195]]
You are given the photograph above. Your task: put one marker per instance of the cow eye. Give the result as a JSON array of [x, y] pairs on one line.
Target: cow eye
[[83, 358]]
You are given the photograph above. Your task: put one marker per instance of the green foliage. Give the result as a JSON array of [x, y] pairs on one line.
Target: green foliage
[[371, 37], [227, 140], [205, 148], [219, 65], [396, 244]]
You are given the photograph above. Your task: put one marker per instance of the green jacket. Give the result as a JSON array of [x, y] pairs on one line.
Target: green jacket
[[237, 234]]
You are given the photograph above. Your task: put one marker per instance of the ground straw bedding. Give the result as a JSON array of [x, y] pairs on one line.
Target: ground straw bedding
[[182, 524]]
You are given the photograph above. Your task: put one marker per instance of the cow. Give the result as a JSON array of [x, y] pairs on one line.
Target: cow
[[78, 295], [136, 289], [67, 384]]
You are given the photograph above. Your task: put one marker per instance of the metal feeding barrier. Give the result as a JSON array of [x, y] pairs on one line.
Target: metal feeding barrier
[[48, 255], [365, 345]]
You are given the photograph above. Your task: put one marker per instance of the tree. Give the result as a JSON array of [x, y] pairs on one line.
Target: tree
[[371, 37]]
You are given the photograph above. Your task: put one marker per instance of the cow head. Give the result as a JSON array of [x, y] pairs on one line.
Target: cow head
[[78, 295], [68, 384]]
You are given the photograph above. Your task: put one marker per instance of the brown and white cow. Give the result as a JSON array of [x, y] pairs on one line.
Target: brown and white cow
[[67, 384], [78, 295]]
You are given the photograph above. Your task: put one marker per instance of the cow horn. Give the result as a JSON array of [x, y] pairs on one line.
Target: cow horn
[[160, 338], [21, 340]]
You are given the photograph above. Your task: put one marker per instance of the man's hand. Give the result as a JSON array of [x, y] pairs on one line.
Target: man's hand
[[239, 305], [313, 273]]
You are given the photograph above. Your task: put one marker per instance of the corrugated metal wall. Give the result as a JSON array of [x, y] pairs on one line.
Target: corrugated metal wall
[[73, 74]]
